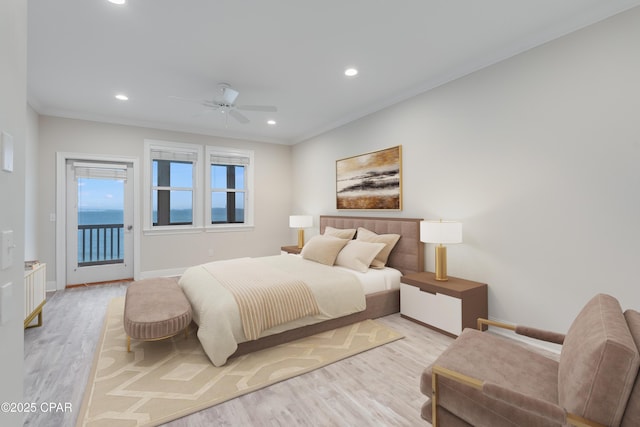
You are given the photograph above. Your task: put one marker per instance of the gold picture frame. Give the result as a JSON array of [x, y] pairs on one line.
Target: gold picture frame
[[371, 181]]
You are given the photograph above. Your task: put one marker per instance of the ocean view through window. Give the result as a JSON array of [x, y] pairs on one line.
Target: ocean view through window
[[230, 181], [228, 194], [172, 192], [100, 221], [190, 187]]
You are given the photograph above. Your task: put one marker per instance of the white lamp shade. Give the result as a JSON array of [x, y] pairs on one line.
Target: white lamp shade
[[441, 231], [300, 221]]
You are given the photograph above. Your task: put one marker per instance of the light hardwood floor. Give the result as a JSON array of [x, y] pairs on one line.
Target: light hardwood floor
[[379, 387]]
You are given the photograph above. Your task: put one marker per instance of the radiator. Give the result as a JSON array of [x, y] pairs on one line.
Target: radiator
[[35, 294]]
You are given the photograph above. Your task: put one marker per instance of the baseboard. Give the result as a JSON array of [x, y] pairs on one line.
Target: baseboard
[[51, 286]]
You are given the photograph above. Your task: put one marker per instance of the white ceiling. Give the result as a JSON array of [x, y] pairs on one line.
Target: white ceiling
[[288, 53]]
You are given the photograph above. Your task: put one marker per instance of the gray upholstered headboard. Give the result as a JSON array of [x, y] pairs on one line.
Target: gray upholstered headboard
[[408, 254]]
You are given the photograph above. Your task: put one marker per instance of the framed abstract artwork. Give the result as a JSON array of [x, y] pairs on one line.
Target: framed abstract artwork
[[371, 181]]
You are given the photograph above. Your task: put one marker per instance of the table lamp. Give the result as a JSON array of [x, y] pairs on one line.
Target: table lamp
[[300, 222], [441, 232]]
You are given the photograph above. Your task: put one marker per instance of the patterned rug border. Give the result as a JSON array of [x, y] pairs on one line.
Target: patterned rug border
[[118, 304]]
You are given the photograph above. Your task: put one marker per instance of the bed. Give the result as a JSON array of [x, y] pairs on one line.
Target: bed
[[215, 333]]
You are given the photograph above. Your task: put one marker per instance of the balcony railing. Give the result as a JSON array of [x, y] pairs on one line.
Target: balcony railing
[[100, 244]]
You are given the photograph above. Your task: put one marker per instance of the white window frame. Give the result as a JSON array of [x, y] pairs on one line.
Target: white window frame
[[178, 148], [249, 190]]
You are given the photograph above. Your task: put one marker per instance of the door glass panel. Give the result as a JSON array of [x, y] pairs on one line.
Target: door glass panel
[[100, 221]]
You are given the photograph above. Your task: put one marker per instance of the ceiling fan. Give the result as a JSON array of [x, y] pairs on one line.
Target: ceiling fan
[[225, 104]]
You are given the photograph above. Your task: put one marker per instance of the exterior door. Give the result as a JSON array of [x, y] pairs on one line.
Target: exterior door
[[99, 221]]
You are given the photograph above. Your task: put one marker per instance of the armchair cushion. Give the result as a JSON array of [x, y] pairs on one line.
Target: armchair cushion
[[598, 363], [497, 360]]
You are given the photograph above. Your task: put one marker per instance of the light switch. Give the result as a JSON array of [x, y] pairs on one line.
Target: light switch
[[7, 246], [7, 151], [6, 291]]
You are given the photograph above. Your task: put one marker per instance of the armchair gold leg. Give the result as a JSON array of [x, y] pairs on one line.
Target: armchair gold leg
[[436, 371], [186, 332], [128, 344]]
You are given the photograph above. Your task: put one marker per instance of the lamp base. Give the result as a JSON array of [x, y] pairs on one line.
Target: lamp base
[[300, 238], [441, 263]]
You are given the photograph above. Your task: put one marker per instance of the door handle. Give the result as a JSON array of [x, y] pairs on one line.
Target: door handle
[[129, 227]]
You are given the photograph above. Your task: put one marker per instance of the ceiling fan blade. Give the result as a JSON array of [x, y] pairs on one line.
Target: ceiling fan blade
[[229, 95], [238, 116], [210, 104], [266, 108], [205, 112]]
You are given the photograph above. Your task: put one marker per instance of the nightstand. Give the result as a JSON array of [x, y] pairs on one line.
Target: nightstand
[[290, 249], [446, 307]]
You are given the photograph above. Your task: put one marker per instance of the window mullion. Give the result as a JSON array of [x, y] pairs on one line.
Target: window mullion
[[164, 196]]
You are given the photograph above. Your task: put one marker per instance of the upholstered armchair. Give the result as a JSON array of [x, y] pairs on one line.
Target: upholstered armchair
[[483, 379]]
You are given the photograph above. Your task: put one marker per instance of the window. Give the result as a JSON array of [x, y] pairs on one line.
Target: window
[[229, 184], [172, 199]]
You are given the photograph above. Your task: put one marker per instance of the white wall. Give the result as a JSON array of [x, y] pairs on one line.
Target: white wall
[[31, 211], [162, 253], [13, 111], [538, 156]]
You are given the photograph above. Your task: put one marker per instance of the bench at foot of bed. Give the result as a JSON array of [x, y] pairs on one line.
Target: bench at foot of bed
[[155, 309]]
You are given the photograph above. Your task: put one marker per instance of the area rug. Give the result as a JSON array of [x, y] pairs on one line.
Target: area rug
[[164, 380]]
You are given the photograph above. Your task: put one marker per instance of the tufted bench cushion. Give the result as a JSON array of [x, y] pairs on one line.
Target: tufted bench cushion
[[155, 309]]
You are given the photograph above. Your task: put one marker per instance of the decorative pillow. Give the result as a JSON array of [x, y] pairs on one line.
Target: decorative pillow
[[346, 233], [389, 240], [323, 249], [357, 255]]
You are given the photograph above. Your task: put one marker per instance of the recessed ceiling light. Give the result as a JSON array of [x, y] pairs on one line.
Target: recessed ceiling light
[[271, 122], [118, 1], [122, 97], [350, 72]]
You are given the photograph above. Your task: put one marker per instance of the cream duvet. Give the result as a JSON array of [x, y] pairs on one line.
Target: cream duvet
[[337, 293]]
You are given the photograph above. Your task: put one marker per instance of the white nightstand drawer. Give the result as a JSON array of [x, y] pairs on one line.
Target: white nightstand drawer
[[438, 310]]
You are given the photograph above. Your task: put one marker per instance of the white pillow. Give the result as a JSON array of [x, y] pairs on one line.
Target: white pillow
[[389, 240], [342, 233], [357, 255], [323, 249]]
